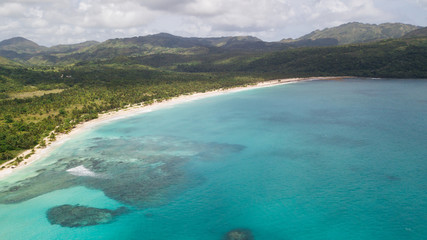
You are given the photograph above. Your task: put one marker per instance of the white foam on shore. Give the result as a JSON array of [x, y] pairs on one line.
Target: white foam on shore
[[81, 171]]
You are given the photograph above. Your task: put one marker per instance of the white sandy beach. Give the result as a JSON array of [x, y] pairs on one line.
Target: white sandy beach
[[132, 111]]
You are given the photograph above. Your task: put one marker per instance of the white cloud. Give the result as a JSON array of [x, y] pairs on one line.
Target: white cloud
[[331, 6], [112, 15], [38, 1], [83, 7], [12, 9], [7, 26], [59, 21], [34, 13], [204, 8], [422, 3], [166, 5]]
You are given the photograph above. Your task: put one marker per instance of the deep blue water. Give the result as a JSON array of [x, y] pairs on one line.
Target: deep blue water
[[311, 160]]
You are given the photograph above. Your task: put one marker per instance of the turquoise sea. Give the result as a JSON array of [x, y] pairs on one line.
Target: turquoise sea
[[310, 160]]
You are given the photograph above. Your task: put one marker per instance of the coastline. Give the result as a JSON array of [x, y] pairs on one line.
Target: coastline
[[7, 169]]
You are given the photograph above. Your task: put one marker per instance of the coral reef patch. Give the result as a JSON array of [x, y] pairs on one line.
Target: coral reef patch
[[81, 216], [239, 234], [141, 172]]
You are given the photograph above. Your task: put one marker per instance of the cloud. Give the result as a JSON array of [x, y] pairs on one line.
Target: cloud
[[111, 15], [422, 3], [62, 21], [165, 5], [228, 17], [263, 18], [349, 11], [10, 9]]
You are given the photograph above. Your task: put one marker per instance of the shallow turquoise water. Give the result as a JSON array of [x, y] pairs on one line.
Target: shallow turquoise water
[[312, 160]]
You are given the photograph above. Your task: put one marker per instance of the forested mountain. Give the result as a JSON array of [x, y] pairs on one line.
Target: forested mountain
[[19, 48], [27, 52], [387, 58], [421, 32], [393, 58], [359, 32], [65, 48], [20, 45], [6, 62], [31, 53], [167, 43]]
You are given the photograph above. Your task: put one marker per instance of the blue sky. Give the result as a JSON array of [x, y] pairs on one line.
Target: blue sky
[[51, 22]]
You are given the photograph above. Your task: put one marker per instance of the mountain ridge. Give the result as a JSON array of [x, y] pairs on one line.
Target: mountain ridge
[[421, 32], [355, 32], [20, 45], [25, 51]]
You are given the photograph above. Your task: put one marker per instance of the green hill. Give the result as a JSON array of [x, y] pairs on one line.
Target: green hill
[[398, 58], [6, 62], [164, 43], [65, 48], [19, 49], [422, 32], [161, 43], [360, 32], [27, 52], [21, 45]]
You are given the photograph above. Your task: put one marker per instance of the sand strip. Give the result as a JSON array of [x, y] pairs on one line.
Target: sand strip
[[7, 168]]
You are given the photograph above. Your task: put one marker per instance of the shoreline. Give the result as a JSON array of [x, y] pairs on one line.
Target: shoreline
[[7, 169]]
